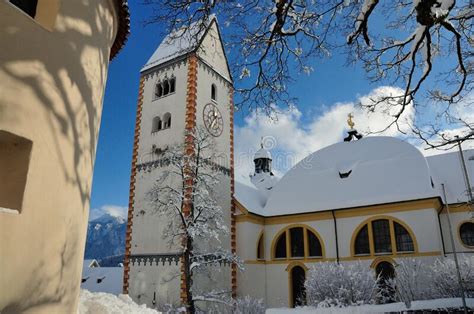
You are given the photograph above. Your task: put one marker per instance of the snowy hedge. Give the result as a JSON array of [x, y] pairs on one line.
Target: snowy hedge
[[332, 284]]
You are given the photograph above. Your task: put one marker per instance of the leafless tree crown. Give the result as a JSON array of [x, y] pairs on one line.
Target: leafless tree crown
[[422, 46]]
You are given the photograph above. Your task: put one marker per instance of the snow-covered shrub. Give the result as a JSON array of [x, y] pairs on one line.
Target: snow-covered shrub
[[412, 281], [248, 305], [332, 284], [416, 280], [444, 277]]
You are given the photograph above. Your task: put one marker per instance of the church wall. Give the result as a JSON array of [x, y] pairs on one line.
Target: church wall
[[457, 218], [247, 236], [252, 281], [53, 71]]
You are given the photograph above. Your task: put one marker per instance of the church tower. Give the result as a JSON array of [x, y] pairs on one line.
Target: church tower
[[181, 84]]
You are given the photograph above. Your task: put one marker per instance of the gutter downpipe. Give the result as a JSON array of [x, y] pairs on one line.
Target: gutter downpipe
[[441, 229], [335, 233]]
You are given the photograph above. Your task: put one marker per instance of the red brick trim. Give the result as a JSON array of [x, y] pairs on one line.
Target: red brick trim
[[233, 242], [131, 200], [190, 124]]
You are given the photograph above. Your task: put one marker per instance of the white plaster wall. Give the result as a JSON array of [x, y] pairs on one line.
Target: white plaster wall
[[164, 280], [252, 281], [457, 219], [247, 237]]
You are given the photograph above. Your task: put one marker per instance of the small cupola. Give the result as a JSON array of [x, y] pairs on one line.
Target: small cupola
[[263, 161], [352, 133]]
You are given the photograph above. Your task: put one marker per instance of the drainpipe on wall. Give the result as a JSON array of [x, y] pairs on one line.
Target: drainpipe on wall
[[335, 233], [441, 229]]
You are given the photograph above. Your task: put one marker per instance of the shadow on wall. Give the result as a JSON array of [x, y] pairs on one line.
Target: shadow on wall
[[66, 71], [79, 38], [42, 276]]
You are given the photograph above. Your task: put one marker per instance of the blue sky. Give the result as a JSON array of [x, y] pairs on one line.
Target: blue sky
[[325, 98]]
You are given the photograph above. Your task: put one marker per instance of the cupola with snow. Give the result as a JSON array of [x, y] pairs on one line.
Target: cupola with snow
[[263, 161]]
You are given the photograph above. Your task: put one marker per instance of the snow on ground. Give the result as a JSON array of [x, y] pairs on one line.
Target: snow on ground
[[106, 303], [383, 308]]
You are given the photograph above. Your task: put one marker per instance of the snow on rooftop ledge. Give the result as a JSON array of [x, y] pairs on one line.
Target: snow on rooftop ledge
[[105, 303]]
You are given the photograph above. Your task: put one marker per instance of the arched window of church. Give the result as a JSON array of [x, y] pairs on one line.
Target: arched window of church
[[314, 246], [260, 248], [280, 248], [297, 242], [362, 246], [158, 90], [166, 88], [167, 120], [213, 92], [466, 232], [156, 124], [172, 85], [383, 236], [403, 239]]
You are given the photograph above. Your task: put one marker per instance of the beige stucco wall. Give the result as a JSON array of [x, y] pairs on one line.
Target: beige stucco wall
[[51, 91]]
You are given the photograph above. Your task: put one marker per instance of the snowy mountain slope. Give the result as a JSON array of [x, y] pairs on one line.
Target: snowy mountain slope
[[105, 237]]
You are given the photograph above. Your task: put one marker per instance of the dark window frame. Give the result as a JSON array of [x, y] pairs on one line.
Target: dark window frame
[[467, 238]]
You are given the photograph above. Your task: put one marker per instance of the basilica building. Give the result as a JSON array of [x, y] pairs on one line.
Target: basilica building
[[371, 199], [376, 200]]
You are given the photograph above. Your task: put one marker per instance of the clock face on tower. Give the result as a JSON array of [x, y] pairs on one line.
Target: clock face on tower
[[213, 120]]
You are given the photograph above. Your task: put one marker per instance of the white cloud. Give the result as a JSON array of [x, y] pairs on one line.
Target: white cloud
[[291, 140], [112, 210]]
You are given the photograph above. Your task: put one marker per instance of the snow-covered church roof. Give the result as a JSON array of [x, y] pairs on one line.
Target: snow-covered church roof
[[370, 171]]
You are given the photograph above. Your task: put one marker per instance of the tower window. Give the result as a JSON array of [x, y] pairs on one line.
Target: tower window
[[167, 120], [213, 92], [172, 85], [14, 163], [165, 87], [158, 90], [156, 124]]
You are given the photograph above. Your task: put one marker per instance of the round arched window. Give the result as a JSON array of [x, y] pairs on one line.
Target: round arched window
[[466, 232]]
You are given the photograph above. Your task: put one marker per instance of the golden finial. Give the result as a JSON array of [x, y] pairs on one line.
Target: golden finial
[[349, 120]]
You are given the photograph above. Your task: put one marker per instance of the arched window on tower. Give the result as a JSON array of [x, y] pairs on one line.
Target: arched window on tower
[[166, 88], [156, 124], [158, 90], [260, 248], [172, 85], [213, 92], [167, 120]]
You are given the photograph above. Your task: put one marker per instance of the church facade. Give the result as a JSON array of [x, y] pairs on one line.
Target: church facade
[[376, 200]]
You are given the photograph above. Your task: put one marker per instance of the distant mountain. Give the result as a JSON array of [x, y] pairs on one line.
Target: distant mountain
[[106, 238]]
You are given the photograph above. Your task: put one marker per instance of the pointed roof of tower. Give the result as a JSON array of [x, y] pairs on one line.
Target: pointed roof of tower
[[180, 42]]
